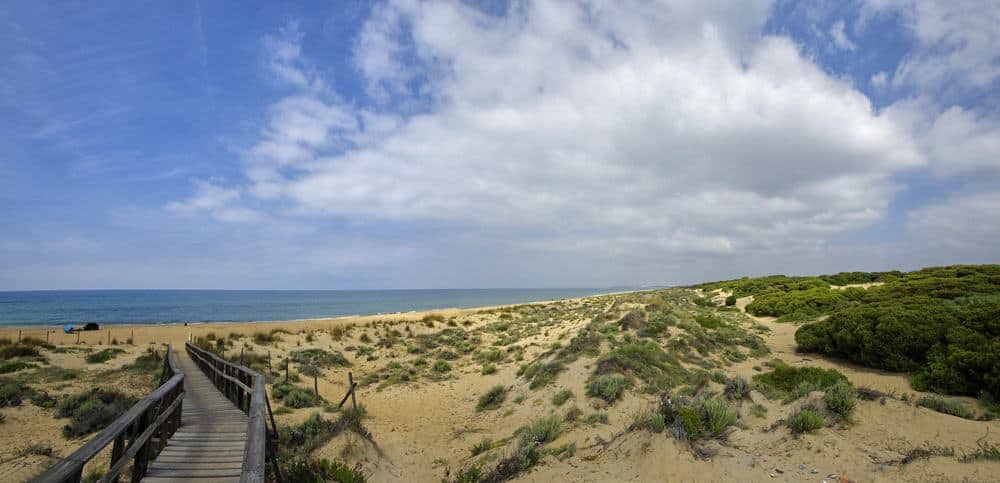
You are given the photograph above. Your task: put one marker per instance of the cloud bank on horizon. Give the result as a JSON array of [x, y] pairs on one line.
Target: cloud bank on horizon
[[449, 144]]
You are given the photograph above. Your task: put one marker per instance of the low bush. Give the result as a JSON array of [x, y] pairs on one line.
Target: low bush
[[311, 470], [730, 301], [13, 393], [788, 382], [840, 399], [91, 411], [561, 397], [18, 350], [541, 374], [805, 420], [492, 399], [737, 388], [441, 366], [265, 338], [946, 406], [103, 355], [14, 366], [489, 368], [651, 421], [696, 418], [608, 387], [319, 358], [718, 415]]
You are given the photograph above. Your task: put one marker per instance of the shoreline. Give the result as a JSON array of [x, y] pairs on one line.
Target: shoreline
[[178, 332], [60, 325]]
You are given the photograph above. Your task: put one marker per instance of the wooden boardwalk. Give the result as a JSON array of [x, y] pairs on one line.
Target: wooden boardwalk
[[212, 438]]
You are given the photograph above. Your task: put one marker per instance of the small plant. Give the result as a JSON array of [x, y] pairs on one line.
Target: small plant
[[946, 406], [651, 421], [489, 368], [730, 301], [840, 400], [608, 387], [572, 414], [103, 355], [492, 399], [737, 388], [441, 366], [806, 419], [18, 350], [718, 415], [481, 447], [561, 397], [91, 411]]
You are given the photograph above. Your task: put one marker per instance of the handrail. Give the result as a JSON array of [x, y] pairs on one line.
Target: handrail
[[245, 387], [158, 414]]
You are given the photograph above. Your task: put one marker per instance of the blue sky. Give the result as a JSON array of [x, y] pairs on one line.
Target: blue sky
[[409, 144]]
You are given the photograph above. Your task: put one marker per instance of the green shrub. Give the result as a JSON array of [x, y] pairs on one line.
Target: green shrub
[[784, 380], [650, 421], [805, 420], [481, 447], [946, 406], [840, 399], [608, 387], [12, 393], [737, 388], [541, 374], [103, 355], [91, 411], [730, 301], [319, 358], [646, 360], [310, 470], [561, 397], [265, 338], [492, 399], [718, 415], [298, 397], [489, 368], [14, 366], [18, 350], [541, 431], [441, 366]]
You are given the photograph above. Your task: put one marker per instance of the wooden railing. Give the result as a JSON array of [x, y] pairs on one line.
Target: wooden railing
[[138, 435], [246, 389]]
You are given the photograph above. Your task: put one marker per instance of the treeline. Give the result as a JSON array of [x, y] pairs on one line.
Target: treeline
[[942, 323]]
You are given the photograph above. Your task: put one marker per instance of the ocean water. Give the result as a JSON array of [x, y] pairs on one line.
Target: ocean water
[[59, 307]]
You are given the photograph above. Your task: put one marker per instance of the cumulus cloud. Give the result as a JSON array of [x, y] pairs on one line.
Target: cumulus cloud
[[587, 131], [220, 202], [957, 38], [680, 132]]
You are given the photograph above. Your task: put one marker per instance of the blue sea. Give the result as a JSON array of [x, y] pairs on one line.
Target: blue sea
[[59, 307]]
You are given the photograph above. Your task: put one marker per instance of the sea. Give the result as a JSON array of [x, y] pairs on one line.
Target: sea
[[59, 307]]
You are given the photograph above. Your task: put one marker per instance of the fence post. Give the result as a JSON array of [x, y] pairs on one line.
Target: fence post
[[269, 360], [354, 401], [286, 370]]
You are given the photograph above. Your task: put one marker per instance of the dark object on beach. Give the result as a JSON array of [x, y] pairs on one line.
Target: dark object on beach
[[91, 326]]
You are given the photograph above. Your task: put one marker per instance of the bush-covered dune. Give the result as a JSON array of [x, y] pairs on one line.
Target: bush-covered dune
[[941, 323]]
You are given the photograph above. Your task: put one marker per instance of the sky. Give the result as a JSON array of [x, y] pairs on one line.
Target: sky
[[412, 144]]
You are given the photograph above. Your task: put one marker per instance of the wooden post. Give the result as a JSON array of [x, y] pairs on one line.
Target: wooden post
[[354, 401], [315, 384], [286, 369], [268, 360], [109, 337], [47, 336], [19, 336], [133, 336], [241, 354], [77, 337]]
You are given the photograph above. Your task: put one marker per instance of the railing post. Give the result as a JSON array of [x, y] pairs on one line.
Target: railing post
[[142, 457]]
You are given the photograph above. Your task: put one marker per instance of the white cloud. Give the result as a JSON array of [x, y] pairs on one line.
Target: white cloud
[[222, 203], [957, 42], [840, 38], [683, 130]]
